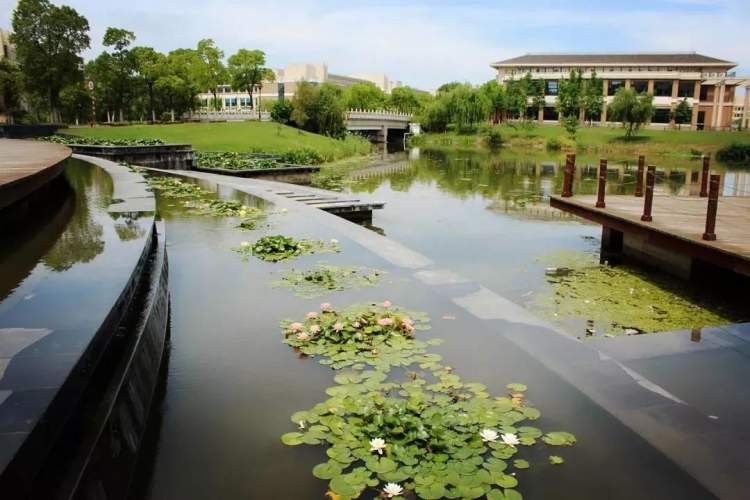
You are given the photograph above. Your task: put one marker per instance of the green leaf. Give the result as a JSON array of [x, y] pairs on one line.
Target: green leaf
[[342, 487], [327, 470], [495, 495], [506, 481], [512, 495], [555, 460], [559, 438], [521, 464], [381, 466], [292, 438], [432, 491], [515, 387]]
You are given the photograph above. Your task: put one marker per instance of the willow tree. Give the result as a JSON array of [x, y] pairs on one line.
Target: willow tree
[[49, 40], [632, 109], [496, 97]]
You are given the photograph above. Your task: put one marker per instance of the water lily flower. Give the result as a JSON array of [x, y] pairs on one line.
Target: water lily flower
[[326, 307], [315, 329], [301, 425], [356, 324], [510, 439], [385, 321], [392, 490], [334, 241], [245, 244], [387, 304], [377, 444], [242, 213], [295, 327], [312, 315], [338, 326], [303, 336], [284, 210], [488, 435]]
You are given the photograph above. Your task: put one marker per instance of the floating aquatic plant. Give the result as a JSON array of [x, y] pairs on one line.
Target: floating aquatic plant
[[322, 279], [427, 433], [172, 187], [277, 248]]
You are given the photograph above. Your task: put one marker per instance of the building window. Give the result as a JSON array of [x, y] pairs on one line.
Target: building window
[[613, 85], [550, 113], [244, 102], [686, 88], [661, 115], [640, 86], [704, 93], [551, 87], [663, 88]]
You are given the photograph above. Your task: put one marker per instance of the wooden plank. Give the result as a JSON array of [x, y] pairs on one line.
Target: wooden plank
[[26, 165]]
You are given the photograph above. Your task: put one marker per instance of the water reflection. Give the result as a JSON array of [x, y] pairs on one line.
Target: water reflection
[[83, 239]]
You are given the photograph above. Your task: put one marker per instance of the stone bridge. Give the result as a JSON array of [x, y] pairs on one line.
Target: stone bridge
[[378, 122]]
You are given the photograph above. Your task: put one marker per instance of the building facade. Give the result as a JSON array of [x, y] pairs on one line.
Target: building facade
[[7, 51], [284, 86], [707, 83]]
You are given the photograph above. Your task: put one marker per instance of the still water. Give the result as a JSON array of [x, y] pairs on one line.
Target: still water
[[487, 216], [232, 385]]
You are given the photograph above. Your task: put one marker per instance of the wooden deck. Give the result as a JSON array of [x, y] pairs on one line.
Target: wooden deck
[[678, 224], [348, 207], [27, 165]]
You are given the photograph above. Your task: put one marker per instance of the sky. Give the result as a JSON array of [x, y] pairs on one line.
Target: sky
[[424, 43]]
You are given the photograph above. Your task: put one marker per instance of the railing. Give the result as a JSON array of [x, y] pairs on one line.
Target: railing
[[231, 114], [377, 114]]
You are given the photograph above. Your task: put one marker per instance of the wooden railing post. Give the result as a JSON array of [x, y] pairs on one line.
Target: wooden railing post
[[713, 205], [704, 176], [649, 200], [639, 176], [567, 178], [602, 184]]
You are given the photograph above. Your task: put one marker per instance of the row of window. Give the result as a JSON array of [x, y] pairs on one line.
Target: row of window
[[616, 69], [230, 102], [662, 88], [661, 115]]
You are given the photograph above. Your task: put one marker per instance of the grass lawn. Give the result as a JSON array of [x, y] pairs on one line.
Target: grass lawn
[[603, 139], [234, 136]]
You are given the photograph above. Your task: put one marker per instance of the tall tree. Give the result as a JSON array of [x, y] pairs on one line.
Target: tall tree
[[593, 97], [682, 113], [150, 66], [405, 100], [211, 71], [365, 96], [10, 88], [122, 65], [247, 71], [569, 101], [49, 40], [75, 103], [632, 109], [496, 97]]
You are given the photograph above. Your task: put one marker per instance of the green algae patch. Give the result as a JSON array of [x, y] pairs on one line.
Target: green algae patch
[[623, 300], [322, 279], [420, 431]]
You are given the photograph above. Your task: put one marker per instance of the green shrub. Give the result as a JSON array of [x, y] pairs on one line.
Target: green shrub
[[553, 144], [302, 156], [736, 152], [281, 111], [493, 138]]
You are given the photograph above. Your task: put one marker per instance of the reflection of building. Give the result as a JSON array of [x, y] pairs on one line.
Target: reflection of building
[[741, 114], [705, 82], [285, 82]]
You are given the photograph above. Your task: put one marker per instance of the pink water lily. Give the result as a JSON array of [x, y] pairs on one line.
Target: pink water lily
[[338, 326], [315, 329], [312, 315], [303, 336], [385, 321], [326, 307], [295, 327], [387, 304]]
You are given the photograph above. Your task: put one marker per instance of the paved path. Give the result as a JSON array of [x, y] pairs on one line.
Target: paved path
[[27, 165]]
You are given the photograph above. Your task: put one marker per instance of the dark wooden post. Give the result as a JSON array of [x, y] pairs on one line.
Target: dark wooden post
[[704, 176], [648, 202], [639, 176], [713, 205], [568, 178], [602, 184]]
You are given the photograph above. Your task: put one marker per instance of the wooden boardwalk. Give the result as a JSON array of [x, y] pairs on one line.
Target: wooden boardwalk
[[346, 206], [27, 165], [678, 224]]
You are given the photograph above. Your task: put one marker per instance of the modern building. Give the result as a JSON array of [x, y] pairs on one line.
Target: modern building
[[706, 82], [284, 85], [741, 115]]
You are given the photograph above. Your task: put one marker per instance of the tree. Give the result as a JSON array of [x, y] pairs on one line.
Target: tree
[[406, 100], [281, 111], [496, 97], [10, 88], [150, 65], [247, 71], [516, 98], [75, 103], [303, 103], [682, 113], [49, 40], [211, 72], [569, 101], [593, 97], [467, 106], [122, 65], [632, 109], [448, 87], [365, 95], [319, 109]]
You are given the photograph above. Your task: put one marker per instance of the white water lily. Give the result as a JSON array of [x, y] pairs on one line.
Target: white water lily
[[284, 210], [377, 444], [301, 425], [334, 241], [488, 435], [510, 439], [392, 490], [245, 244]]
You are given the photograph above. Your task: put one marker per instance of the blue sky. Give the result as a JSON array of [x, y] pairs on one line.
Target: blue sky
[[425, 43]]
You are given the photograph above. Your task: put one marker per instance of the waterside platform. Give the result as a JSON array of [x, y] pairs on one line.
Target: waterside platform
[[673, 240], [25, 166]]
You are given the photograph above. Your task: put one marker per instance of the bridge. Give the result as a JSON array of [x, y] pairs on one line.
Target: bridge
[[377, 121], [371, 121]]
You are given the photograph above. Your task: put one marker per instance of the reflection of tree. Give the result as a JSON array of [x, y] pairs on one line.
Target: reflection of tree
[[82, 240], [129, 230]]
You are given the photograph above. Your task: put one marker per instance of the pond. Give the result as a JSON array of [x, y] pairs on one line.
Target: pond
[[487, 216], [232, 385]]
